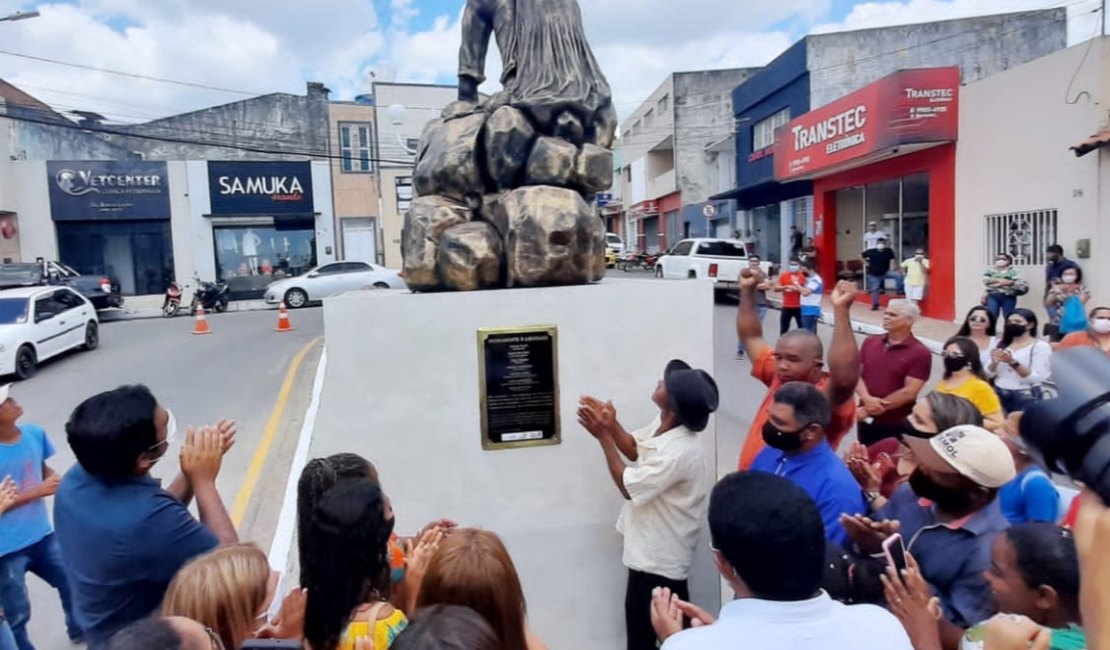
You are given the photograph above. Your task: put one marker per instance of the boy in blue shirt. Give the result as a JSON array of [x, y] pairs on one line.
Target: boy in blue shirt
[[27, 541]]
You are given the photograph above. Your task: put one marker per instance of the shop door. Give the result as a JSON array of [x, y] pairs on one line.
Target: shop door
[[359, 240], [136, 254], [651, 234], [767, 223]]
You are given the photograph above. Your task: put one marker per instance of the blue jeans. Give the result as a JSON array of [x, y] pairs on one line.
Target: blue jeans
[[762, 309], [44, 559], [876, 283], [997, 302], [810, 322]]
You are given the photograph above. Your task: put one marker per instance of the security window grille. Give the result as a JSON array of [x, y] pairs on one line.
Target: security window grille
[[354, 148], [1024, 235], [403, 187], [763, 133]]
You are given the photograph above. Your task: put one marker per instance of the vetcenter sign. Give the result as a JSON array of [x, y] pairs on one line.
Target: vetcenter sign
[[103, 190], [907, 107]]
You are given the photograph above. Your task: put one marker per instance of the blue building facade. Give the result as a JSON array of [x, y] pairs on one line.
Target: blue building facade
[[765, 209]]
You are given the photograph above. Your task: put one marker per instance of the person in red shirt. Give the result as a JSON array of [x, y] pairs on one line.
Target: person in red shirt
[[790, 284], [797, 356]]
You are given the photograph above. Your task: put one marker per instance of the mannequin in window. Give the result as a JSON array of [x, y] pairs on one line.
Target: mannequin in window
[[251, 242]]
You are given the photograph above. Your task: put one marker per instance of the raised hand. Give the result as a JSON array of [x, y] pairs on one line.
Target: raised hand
[[911, 600], [8, 494], [749, 279], [869, 475], [228, 431], [202, 454], [666, 617], [867, 533], [844, 294]]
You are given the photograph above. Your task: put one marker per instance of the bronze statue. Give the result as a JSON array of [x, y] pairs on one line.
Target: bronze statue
[[548, 65], [504, 186]]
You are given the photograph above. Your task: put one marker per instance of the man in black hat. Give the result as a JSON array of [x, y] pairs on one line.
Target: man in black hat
[[665, 487]]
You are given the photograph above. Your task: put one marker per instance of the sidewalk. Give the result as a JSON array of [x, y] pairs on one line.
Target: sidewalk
[[931, 331], [138, 307]]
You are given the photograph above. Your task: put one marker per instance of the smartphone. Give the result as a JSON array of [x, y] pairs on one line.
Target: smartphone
[[895, 552], [270, 644]]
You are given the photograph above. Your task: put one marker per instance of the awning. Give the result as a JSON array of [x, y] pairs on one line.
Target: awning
[[1100, 139]]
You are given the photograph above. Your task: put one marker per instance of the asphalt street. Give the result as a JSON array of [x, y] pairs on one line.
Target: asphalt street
[[236, 372], [239, 372]]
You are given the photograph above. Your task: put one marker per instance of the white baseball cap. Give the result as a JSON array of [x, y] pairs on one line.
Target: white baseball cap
[[973, 452]]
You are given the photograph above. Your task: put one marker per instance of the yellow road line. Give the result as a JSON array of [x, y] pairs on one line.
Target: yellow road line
[[243, 499]]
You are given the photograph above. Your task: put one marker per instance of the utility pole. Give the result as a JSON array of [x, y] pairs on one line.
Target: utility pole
[[22, 15]]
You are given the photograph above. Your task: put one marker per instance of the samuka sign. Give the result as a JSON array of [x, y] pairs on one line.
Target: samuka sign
[[263, 188]]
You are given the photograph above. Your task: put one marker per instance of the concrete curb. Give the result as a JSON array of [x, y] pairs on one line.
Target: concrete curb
[[115, 315]]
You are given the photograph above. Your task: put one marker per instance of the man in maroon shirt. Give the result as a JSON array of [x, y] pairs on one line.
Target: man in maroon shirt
[[895, 368]]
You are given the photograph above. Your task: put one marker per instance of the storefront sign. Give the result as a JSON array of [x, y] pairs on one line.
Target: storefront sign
[[761, 154], [265, 188], [908, 107], [518, 384], [108, 190], [645, 209]]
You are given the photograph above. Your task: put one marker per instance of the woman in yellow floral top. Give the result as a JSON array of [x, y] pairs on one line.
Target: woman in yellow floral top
[[345, 570]]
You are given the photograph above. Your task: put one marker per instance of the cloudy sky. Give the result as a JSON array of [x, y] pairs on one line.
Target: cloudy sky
[[225, 50]]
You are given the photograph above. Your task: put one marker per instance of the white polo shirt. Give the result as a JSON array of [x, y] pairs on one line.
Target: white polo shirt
[[668, 484], [819, 623], [871, 239]]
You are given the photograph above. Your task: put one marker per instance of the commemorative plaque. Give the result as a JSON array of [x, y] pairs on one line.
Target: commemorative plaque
[[518, 381]]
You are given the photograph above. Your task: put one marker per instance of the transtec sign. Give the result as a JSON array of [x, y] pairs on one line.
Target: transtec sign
[[98, 190], [263, 188], [908, 107]]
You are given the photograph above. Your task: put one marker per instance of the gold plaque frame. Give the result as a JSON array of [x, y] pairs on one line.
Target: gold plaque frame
[[484, 334]]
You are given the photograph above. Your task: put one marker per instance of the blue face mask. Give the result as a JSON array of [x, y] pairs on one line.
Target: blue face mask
[[794, 268]]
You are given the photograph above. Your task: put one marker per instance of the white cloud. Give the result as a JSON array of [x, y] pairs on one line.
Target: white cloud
[[1082, 22]]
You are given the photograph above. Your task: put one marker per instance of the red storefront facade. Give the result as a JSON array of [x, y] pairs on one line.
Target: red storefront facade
[[886, 154]]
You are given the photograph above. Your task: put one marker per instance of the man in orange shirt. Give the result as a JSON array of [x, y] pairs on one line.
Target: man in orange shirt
[[1096, 335], [797, 356]]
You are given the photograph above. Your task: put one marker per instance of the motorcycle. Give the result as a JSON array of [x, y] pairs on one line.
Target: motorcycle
[[213, 296], [172, 303], [645, 261]]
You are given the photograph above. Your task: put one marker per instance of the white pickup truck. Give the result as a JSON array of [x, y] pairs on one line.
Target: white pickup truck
[[718, 260]]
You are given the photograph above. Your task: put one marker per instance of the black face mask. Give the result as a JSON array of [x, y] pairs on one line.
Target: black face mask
[[1014, 331], [955, 364], [947, 499], [783, 440], [909, 430]]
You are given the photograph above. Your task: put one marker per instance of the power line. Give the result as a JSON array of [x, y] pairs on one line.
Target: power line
[[202, 143], [132, 75]]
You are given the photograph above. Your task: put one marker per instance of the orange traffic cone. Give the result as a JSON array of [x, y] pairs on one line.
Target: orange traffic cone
[[202, 323], [283, 319]]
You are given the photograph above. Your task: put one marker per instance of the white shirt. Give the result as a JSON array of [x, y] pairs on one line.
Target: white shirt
[[985, 356], [871, 239], [1034, 357], [819, 623], [668, 484], [815, 284]]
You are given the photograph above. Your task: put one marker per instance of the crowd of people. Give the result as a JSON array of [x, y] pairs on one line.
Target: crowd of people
[[935, 530]]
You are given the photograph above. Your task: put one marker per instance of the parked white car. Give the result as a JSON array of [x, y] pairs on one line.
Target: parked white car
[[38, 323], [331, 280], [718, 260], [614, 243]]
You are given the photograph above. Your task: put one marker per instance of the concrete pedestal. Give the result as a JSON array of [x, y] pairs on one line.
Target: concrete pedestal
[[401, 388]]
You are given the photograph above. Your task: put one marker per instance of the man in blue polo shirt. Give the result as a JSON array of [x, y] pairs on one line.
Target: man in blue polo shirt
[[123, 537], [798, 450], [948, 515]]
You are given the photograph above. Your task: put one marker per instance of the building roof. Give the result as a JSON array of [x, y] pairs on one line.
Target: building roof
[[1100, 139], [14, 97]]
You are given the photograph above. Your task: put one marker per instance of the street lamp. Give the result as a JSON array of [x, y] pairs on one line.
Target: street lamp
[[19, 15]]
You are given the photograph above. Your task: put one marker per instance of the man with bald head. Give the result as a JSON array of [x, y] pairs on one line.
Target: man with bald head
[[798, 355]]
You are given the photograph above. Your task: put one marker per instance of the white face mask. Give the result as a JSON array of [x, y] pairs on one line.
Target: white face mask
[[1001, 264], [1101, 325], [1070, 279]]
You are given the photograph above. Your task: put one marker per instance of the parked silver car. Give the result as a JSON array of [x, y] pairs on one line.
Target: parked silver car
[[331, 280]]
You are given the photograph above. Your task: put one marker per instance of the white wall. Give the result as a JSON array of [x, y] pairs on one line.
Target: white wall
[[325, 214], [422, 103], [404, 394], [1012, 156], [26, 192]]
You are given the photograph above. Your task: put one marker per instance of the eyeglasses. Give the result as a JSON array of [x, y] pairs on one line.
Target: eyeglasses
[[979, 319], [214, 639], [1019, 323], [171, 432], [952, 355]]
